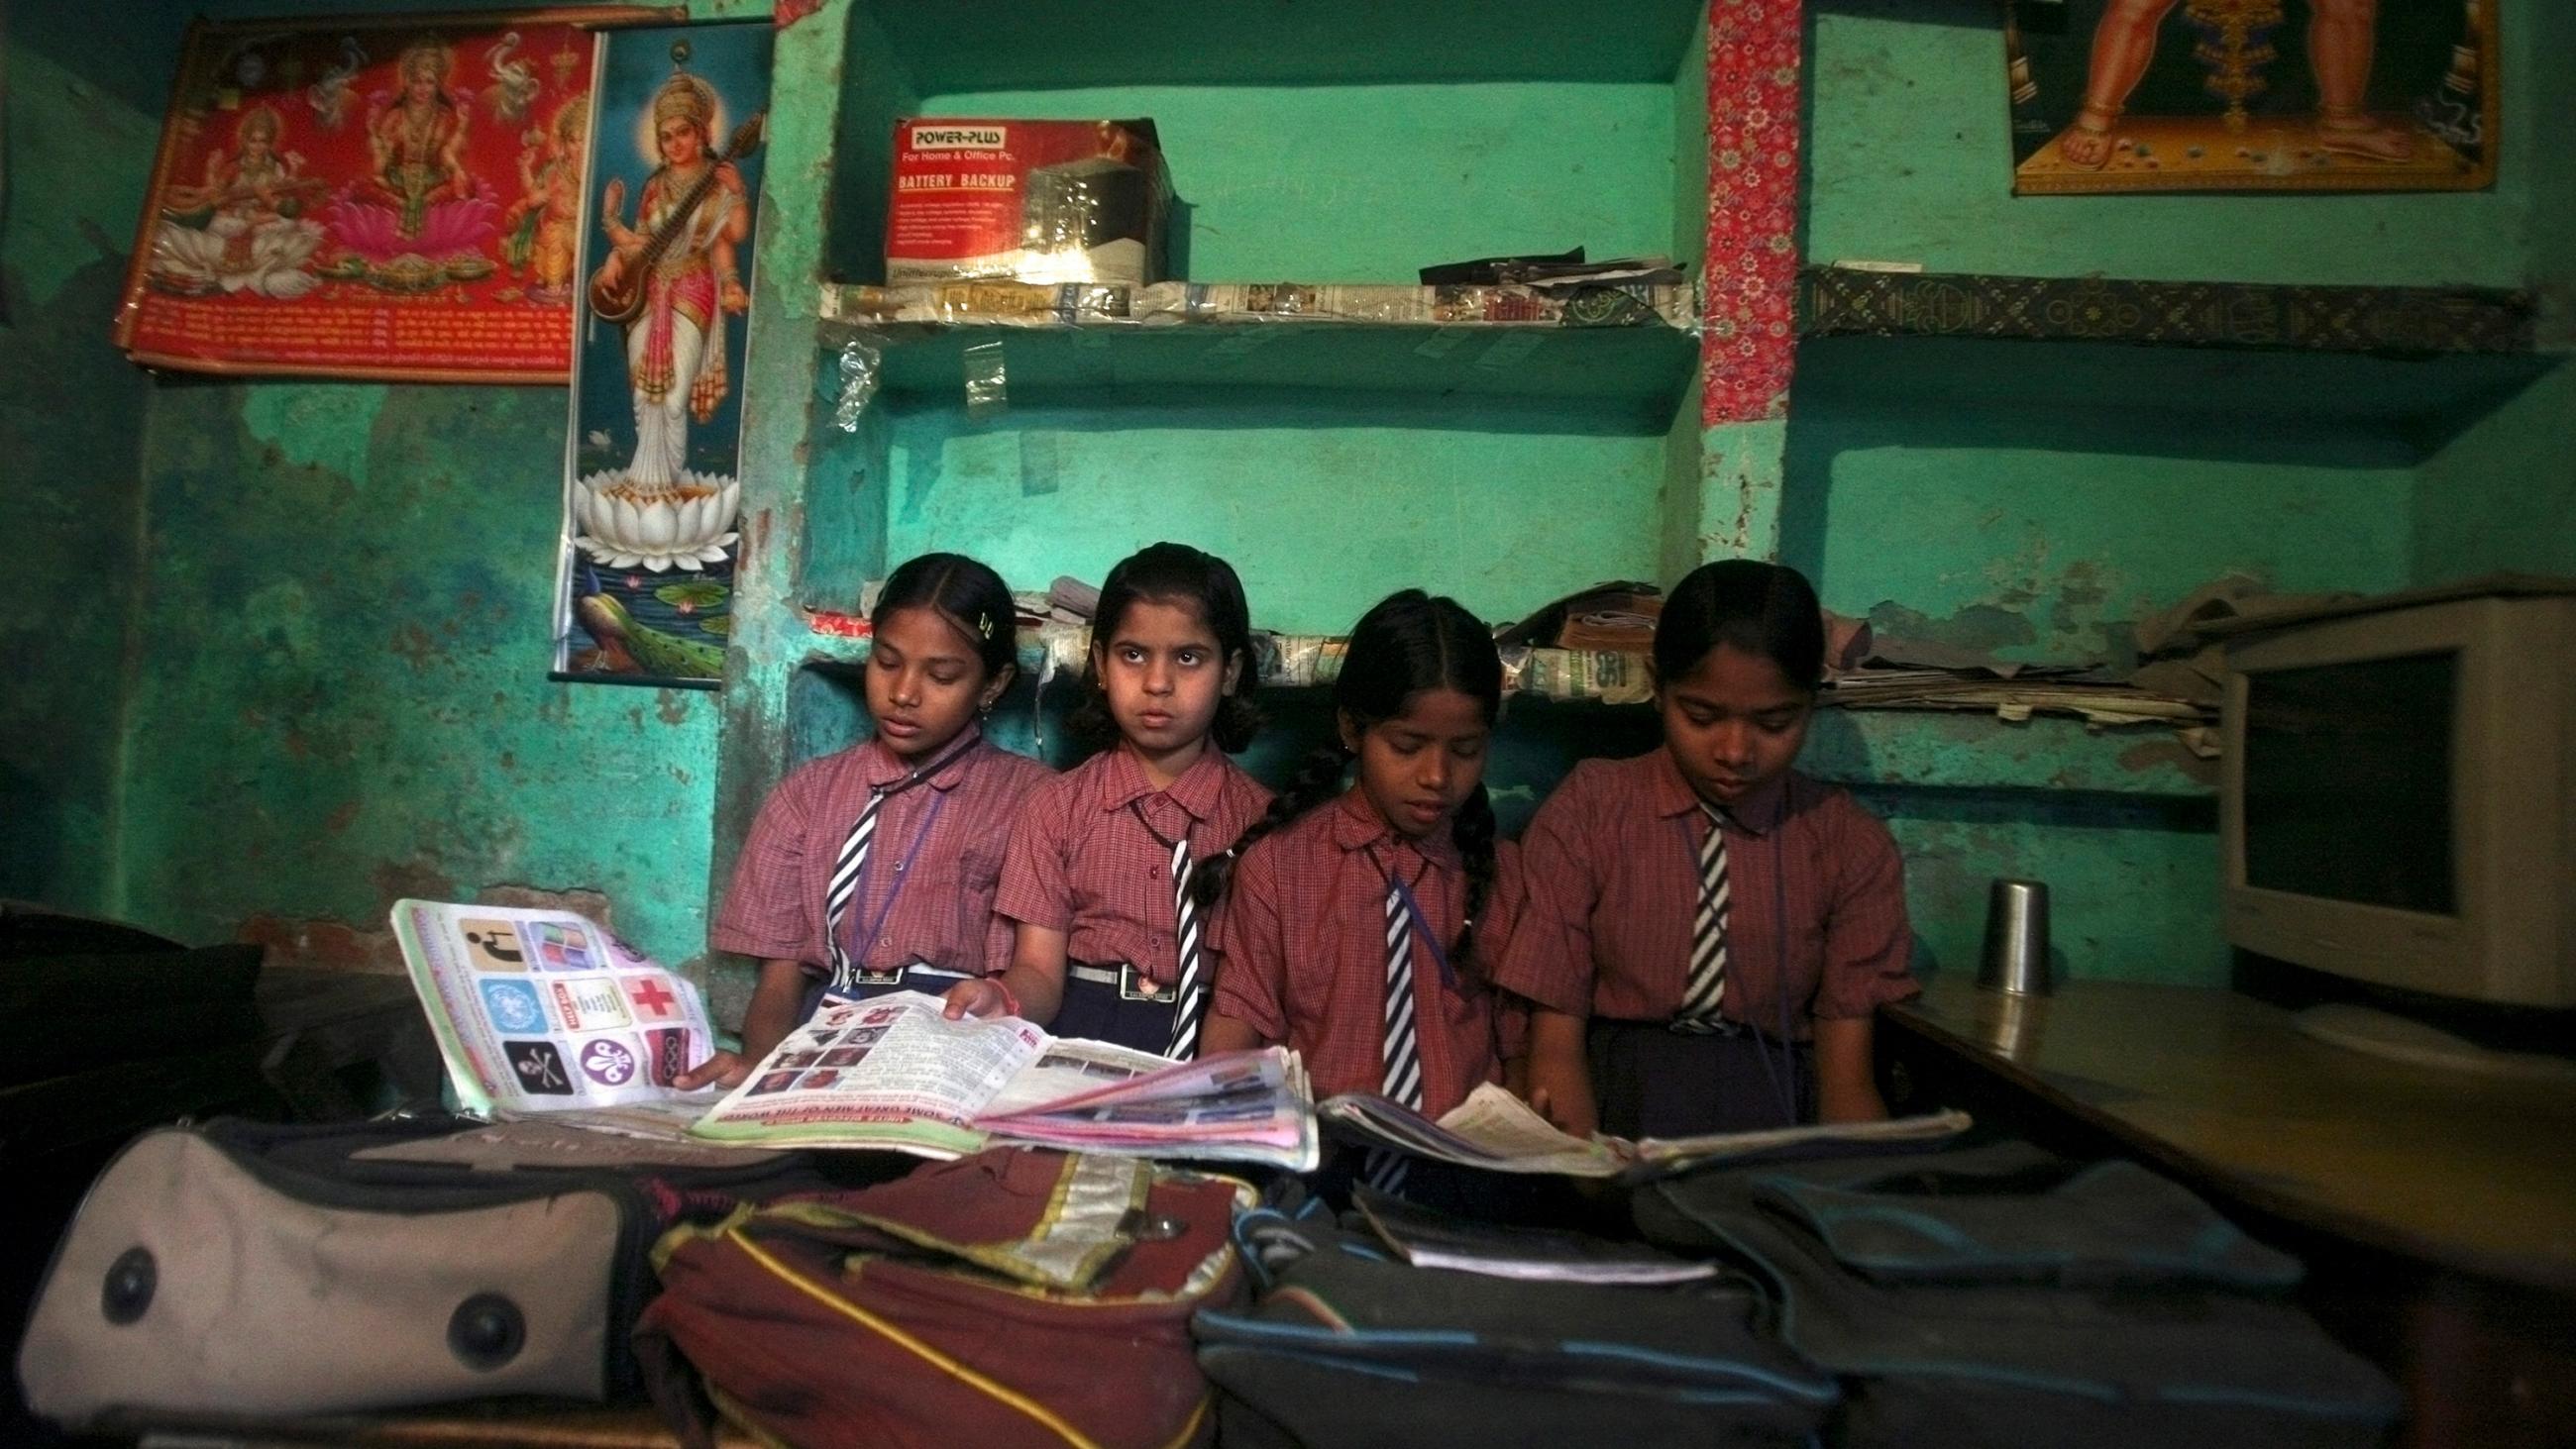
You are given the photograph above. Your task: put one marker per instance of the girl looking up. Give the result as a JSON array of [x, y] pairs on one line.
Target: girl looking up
[[1352, 924], [1710, 931], [1109, 943], [874, 868]]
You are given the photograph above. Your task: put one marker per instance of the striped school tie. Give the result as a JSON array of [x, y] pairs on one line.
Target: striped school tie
[[845, 882], [1385, 1169], [1707, 985], [1191, 1009]]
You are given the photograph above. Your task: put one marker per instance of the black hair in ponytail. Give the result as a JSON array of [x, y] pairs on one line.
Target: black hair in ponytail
[[1409, 643]]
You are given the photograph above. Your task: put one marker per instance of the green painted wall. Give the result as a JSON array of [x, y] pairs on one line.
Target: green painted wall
[[1451, 171], [2033, 501], [296, 664], [84, 106], [293, 666], [2503, 494], [1321, 523], [342, 678], [1910, 161]]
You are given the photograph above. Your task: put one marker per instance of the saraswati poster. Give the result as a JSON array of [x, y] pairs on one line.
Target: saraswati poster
[[370, 197], [652, 487]]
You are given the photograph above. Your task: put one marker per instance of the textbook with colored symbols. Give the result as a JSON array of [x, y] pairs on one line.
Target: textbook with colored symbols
[[544, 1012]]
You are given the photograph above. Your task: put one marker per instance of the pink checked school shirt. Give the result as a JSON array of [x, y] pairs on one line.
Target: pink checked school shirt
[[927, 893], [1613, 864], [1089, 856], [1302, 937]]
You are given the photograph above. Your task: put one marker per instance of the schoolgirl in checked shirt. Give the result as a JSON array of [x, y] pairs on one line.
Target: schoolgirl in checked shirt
[[1108, 940], [1352, 926], [1710, 932], [874, 869]]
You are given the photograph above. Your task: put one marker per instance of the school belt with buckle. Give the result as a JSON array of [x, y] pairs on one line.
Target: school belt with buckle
[[1131, 983], [895, 977], [1706, 1026]]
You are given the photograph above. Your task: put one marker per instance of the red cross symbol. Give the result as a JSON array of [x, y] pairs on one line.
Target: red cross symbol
[[651, 997]]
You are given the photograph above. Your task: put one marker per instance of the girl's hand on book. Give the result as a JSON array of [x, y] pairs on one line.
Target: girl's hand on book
[[1561, 1091], [983, 996], [724, 1069]]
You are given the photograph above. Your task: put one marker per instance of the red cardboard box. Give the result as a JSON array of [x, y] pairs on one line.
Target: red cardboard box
[[1039, 201]]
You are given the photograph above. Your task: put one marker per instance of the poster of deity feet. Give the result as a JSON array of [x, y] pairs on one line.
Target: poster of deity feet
[[370, 197], [2251, 95], [652, 486]]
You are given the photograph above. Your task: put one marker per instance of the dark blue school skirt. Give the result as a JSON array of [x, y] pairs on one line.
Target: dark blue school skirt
[[1651, 1081], [926, 979], [1097, 1010]]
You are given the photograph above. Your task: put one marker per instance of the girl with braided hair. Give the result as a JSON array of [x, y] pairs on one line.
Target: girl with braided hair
[[1353, 920]]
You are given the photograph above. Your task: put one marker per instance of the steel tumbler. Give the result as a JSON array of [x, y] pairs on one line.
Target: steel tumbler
[[2016, 955]]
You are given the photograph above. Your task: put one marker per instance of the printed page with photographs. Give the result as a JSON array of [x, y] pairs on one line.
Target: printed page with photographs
[[547, 1012], [894, 1071]]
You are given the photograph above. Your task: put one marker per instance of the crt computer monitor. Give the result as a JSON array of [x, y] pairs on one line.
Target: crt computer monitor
[[2396, 805]]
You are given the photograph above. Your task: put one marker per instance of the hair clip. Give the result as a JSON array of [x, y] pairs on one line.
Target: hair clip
[[984, 625]]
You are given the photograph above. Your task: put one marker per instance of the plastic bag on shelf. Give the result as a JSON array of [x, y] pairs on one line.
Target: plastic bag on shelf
[[988, 382], [862, 372]]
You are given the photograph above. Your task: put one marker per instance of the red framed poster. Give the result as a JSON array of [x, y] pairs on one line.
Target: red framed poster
[[395, 197]]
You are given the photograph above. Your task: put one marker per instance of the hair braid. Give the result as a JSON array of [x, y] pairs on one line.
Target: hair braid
[[1472, 829], [1318, 779]]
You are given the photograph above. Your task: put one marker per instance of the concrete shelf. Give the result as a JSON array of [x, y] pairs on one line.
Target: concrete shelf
[[1613, 358], [2335, 375]]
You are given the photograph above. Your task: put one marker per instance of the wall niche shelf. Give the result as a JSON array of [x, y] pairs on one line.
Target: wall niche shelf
[[2358, 376], [1613, 356]]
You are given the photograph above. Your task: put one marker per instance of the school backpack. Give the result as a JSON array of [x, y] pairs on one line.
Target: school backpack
[[1015, 1297], [1347, 1345], [2002, 1296], [256, 1269]]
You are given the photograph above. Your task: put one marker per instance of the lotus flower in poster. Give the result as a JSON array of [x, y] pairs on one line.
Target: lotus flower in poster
[[686, 524]]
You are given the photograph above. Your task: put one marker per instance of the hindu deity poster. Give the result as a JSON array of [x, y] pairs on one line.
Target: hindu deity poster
[[388, 197], [2251, 95], [652, 490]]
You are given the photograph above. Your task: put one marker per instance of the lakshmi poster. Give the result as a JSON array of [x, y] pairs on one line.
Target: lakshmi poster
[[2251, 95], [380, 197], [652, 487]]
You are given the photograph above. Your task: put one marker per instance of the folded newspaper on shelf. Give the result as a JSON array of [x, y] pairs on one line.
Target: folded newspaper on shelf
[[545, 1013], [1496, 1131]]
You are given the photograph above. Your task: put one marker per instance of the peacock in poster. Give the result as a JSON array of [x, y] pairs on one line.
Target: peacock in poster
[[652, 495]]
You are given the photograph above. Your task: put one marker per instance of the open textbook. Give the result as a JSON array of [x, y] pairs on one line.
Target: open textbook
[[545, 1012], [1498, 1132]]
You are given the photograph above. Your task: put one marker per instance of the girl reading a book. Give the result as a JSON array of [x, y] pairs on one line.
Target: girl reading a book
[[1710, 931], [1352, 926], [874, 869], [1109, 940]]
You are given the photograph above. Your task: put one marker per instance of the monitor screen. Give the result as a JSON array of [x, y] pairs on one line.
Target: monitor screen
[[2348, 781]]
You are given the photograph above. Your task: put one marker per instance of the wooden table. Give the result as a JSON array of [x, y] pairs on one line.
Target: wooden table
[[2437, 1209]]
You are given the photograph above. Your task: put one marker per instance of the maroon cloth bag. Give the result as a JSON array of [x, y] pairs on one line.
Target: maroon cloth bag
[[1016, 1297]]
